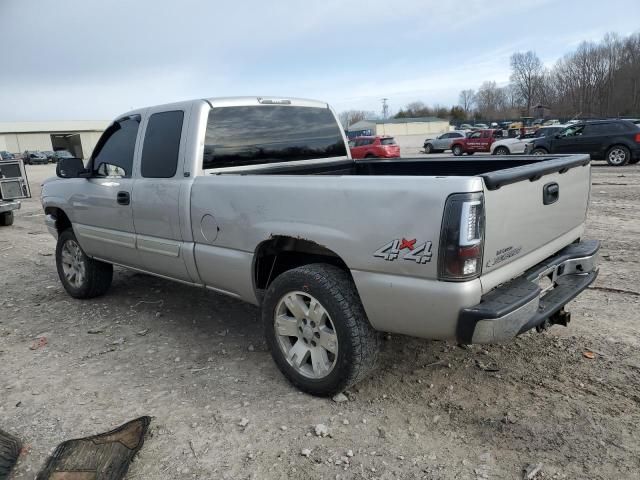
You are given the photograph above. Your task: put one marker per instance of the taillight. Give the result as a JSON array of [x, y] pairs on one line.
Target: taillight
[[462, 237], [637, 138]]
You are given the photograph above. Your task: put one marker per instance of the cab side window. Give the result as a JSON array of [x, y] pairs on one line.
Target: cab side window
[[113, 155], [161, 144]]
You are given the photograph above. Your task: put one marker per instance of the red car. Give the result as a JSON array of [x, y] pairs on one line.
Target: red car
[[478, 141], [374, 147]]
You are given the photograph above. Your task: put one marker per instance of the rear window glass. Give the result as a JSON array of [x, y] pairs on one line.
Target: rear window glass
[[387, 141], [161, 144], [250, 135]]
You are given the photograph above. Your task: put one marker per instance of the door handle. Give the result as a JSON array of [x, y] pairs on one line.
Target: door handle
[[550, 193], [124, 198]]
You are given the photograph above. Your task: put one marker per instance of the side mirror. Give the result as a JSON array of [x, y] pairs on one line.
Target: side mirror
[[71, 168]]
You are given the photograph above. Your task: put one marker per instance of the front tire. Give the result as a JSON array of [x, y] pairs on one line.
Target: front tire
[[457, 150], [81, 276], [428, 148], [501, 151], [539, 151], [317, 330], [618, 156], [6, 219]]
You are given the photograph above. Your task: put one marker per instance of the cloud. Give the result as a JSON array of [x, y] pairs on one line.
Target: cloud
[[95, 60]]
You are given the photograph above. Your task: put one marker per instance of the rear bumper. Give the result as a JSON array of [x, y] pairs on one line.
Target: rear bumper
[[522, 304], [9, 206]]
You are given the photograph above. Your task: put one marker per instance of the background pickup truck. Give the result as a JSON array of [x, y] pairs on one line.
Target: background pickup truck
[[259, 199], [478, 141]]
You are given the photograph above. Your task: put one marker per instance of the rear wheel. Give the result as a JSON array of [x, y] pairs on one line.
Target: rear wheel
[[81, 276], [539, 151], [457, 150], [428, 148], [6, 219], [618, 155], [317, 330], [502, 151]]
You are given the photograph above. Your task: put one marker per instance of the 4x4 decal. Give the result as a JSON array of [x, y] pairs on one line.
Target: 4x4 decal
[[390, 251]]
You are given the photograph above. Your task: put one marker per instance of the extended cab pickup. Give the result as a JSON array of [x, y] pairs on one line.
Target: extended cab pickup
[[259, 199], [478, 141]]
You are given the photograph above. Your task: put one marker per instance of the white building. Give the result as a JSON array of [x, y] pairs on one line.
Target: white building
[[77, 136]]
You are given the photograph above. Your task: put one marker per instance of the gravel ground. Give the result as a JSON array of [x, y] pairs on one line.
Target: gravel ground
[[197, 363]]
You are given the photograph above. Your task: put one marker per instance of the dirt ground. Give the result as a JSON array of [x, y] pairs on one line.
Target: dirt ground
[[196, 362]]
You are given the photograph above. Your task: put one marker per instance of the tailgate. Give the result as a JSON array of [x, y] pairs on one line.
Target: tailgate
[[528, 207]]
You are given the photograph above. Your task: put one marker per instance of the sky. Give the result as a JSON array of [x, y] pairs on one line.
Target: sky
[[93, 59]]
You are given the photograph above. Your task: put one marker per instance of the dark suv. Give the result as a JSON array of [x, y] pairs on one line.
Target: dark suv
[[616, 141]]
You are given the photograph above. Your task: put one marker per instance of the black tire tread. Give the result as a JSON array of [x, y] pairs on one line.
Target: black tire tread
[[99, 274], [9, 452], [364, 340]]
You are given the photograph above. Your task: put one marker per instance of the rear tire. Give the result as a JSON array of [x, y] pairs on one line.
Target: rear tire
[[501, 151], [618, 156], [428, 148], [81, 276], [539, 151], [457, 150], [312, 307], [6, 219]]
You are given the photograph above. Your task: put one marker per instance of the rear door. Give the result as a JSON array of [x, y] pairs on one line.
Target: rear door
[[158, 200], [597, 136], [528, 216]]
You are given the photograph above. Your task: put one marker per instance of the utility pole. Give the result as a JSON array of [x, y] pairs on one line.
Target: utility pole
[[385, 109]]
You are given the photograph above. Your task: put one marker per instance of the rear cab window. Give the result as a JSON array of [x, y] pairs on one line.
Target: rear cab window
[[262, 134], [162, 144]]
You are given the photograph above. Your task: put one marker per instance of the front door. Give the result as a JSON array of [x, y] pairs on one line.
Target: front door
[[103, 217], [571, 140], [160, 196]]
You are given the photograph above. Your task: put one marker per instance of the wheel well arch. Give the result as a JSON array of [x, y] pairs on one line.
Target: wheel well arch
[[62, 219], [281, 253]]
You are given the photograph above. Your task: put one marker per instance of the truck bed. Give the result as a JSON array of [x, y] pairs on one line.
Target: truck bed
[[495, 171]]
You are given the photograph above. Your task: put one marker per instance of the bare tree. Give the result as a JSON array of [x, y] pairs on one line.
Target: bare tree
[[467, 100], [349, 117], [526, 75], [490, 100]]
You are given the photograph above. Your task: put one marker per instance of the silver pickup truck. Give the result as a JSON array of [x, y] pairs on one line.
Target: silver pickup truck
[[258, 198]]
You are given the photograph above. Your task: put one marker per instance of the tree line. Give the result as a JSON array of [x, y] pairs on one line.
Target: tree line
[[598, 79]]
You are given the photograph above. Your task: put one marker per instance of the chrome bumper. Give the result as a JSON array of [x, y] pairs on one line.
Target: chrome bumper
[[529, 300], [9, 206]]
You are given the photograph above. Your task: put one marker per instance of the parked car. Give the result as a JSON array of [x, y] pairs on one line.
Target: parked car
[[14, 187], [478, 141], [508, 146], [480, 126], [51, 155], [262, 202], [442, 142], [374, 147], [60, 154], [466, 126], [616, 141], [34, 158], [4, 155]]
